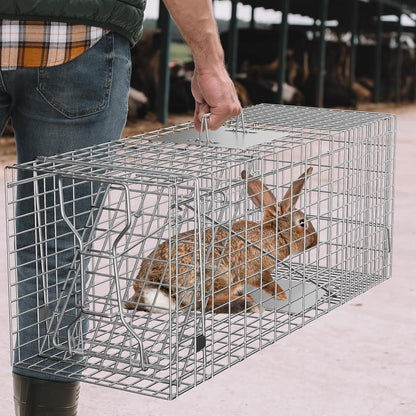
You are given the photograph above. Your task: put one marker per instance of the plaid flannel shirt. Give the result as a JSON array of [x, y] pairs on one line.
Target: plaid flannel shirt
[[32, 44]]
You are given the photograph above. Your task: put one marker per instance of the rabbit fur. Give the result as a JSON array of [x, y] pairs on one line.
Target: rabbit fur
[[237, 260]]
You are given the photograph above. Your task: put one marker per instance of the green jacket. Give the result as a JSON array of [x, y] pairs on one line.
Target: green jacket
[[121, 16]]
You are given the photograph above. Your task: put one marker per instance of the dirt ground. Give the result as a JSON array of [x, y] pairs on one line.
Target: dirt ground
[[359, 360]]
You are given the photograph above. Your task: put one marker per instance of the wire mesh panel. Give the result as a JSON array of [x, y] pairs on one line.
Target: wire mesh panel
[[152, 263]]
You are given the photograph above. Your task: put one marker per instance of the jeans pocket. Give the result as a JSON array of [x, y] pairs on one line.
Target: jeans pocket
[[80, 87]]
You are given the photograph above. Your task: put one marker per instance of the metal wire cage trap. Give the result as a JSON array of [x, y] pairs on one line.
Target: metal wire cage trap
[[152, 263]]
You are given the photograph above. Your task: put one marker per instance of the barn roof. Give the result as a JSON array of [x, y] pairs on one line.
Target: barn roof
[[339, 10], [336, 7]]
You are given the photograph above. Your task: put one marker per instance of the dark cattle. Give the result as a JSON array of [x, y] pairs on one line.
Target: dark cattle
[[145, 77], [258, 53], [335, 93], [138, 105], [408, 86], [181, 99], [366, 71], [336, 89], [242, 94], [258, 68], [145, 59], [364, 94], [261, 46], [260, 90], [258, 60]]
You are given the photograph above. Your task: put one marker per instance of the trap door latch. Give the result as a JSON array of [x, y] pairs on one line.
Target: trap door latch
[[83, 310]]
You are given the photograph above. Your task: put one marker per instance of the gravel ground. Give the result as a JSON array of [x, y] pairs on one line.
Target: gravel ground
[[359, 360]]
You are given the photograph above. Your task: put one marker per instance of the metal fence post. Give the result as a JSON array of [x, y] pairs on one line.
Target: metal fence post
[[354, 41], [165, 23], [379, 41], [283, 50], [233, 41], [323, 14], [399, 58]]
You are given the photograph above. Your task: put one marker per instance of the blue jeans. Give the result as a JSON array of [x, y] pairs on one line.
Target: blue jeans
[[54, 110]]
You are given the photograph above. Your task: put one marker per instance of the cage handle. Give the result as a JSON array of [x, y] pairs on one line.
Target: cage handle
[[240, 119], [204, 127]]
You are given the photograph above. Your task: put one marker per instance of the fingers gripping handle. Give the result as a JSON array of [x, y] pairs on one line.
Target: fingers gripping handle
[[204, 128], [204, 137]]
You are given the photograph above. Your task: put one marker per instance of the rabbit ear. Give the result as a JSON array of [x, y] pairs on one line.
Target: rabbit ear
[[260, 194], [293, 193]]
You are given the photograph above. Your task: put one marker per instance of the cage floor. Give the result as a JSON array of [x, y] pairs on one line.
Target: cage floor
[[175, 367]]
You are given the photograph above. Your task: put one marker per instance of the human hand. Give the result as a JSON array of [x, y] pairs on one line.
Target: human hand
[[214, 93], [212, 88]]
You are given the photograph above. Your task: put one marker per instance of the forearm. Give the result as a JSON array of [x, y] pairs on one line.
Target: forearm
[[196, 22], [212, 88]]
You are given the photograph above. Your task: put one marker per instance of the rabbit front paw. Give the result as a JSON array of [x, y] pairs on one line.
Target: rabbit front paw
[[251, 306], [281, 296]]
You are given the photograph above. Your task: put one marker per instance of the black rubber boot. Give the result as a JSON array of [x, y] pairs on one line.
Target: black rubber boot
[[35, 397]]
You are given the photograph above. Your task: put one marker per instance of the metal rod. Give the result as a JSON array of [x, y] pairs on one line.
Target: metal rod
[[253, 20], [144, 361], [354, 41], [399, 62], [323, 15], [240, 120], [204, 130], [414, 74], [283, 39], [165, 23], [233, 41], [379, 48]]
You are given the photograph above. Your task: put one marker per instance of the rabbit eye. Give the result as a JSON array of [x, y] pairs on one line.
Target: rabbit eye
[[302, 222]]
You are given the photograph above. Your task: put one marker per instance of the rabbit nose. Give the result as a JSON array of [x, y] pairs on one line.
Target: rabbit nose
[[312, 239]]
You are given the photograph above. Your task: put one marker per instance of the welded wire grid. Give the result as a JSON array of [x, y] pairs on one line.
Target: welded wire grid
[[146, 192]]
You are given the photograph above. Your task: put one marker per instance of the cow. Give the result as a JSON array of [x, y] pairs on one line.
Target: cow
[[145, 60], [261, 90], [145, 57], [366, 70], [138, 105], [258, 60]]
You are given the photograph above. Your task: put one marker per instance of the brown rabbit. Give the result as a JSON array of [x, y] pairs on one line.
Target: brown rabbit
[[247, 257]]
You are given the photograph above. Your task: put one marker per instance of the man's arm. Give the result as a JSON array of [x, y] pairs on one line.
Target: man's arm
[[212, 87]]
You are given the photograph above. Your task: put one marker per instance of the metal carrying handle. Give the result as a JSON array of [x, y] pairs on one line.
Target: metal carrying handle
[[240, 118], [204, 127]]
